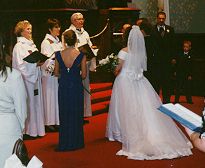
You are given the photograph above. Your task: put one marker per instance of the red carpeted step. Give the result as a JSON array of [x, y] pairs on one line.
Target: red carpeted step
[[101, 107], [96, 87], [101, 96]]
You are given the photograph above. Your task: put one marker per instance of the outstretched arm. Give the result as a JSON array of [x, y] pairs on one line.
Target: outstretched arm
[[56, 69], [198, 142], [83, 68]]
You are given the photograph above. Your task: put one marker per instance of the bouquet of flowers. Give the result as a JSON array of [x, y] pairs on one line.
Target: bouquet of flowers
[[48, 67], [109, 63]]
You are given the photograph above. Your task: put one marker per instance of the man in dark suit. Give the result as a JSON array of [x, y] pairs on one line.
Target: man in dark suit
[[163, 56]]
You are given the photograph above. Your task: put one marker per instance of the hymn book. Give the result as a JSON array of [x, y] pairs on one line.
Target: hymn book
[[182, 115], [85, 49], [35, 57]]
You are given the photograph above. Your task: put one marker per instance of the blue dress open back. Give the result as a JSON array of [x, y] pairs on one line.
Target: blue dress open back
[[70, 98]]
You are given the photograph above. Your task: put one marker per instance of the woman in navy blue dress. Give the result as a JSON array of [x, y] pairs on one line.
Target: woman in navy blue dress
[[70, 67]]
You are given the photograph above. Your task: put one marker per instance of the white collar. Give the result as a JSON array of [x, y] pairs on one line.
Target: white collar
[[54, 39], [158, 26], [25, 40], [72, 27]]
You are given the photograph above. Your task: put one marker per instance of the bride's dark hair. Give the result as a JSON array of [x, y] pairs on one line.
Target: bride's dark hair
[[3, 63], [126, 35]]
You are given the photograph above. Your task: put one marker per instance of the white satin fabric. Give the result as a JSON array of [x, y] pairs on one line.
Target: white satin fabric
[[14, 162], [13, 112], [134, 120]]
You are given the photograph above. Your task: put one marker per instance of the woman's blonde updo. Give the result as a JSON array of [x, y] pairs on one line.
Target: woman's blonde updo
[[20, 26]]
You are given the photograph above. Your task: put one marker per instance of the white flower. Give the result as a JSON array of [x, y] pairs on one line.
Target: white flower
[[109, 63], [104, 61], [50, 68], [111, 56], [168, 30]]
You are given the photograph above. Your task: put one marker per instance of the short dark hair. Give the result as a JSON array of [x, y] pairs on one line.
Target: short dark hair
[[146, 26], [70, 37], [161, 13], [52, 22], [126, 35]]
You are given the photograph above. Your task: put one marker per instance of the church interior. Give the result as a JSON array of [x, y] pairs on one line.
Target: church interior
[[103, 22]]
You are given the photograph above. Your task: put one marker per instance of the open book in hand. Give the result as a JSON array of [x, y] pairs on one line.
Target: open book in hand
[[183, 115], [35, 57], [85, 49]]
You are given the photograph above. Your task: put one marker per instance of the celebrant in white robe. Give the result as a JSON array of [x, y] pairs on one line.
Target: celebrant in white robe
[[13, 109], [32, 78], [49, 46], [83, 38]]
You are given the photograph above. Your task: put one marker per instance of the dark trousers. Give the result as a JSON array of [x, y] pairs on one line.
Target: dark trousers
[[159, 76], [183, 85]]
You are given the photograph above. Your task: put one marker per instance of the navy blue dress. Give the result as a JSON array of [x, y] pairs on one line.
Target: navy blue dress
[[70, 99]]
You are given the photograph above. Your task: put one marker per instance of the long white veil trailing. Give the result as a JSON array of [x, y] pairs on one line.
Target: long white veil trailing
[[137, 58]]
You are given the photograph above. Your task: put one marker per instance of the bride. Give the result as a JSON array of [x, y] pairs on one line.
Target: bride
[[133, 117]]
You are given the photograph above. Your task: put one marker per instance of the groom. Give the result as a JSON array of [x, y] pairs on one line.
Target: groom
[[163, 57]]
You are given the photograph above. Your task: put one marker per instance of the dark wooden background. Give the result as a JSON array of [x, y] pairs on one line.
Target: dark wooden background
[[37, 12]]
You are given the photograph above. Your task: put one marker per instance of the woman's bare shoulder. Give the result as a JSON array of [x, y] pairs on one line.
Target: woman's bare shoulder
[[125, 49]]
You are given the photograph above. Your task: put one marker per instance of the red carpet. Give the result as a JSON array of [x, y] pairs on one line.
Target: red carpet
[[100, 153]]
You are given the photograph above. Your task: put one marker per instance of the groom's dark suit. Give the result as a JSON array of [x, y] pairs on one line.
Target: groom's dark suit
[[163, 54]]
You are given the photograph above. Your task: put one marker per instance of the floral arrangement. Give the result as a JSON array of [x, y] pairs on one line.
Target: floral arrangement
[[50, 67], [109, 63]]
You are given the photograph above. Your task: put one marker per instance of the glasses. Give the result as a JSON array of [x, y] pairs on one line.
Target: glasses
[[80, 19]]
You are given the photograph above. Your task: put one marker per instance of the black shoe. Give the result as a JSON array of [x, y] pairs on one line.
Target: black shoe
[[50, 128], [28, 137], [56, 128], [85, 122]]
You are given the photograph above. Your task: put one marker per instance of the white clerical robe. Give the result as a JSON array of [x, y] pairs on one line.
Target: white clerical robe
[[32, 78], [49, 46], [13, 112]]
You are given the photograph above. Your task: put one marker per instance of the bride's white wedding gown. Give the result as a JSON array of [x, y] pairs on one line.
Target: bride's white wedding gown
[[135, 121]]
